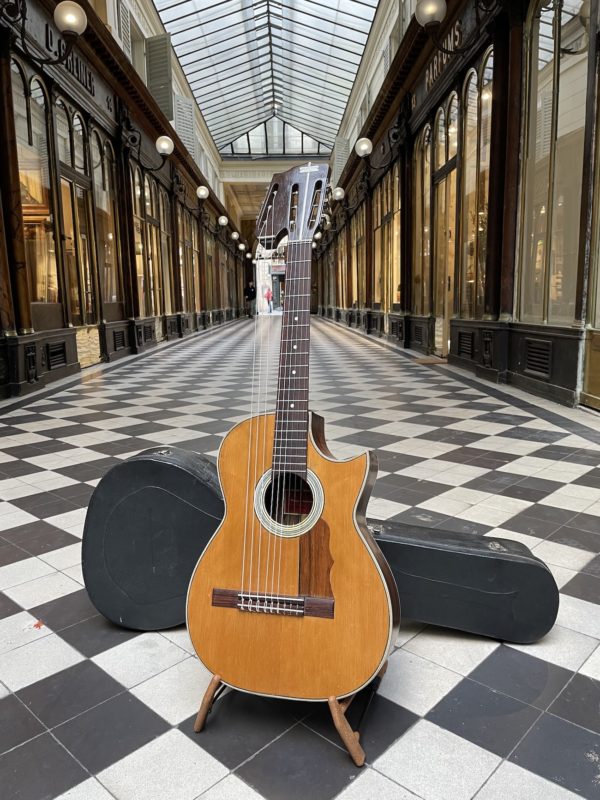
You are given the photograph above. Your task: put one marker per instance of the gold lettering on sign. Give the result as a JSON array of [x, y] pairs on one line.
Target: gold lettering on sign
[[439, 62], [74, 64]]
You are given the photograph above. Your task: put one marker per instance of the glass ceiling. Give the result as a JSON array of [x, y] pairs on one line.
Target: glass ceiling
[[278, 71]]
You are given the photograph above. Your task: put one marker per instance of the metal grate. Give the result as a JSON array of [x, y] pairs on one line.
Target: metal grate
[[119, 340], [465, 344], [418, 334], [57, 354], [148, 333], [538, 357]]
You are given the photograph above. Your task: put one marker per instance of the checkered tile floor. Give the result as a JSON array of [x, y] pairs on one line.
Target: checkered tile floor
[[90, 711]]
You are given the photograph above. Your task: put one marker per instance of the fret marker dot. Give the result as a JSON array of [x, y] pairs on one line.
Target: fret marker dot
[[291, 405], [295, 319], [293, 372], [294, 347]]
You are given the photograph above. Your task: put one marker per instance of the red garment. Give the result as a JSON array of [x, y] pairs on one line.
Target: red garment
[[268, 295]]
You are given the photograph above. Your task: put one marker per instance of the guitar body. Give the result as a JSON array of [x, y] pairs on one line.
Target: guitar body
[[321, 607]]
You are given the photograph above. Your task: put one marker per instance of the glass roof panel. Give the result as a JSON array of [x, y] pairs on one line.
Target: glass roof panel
[[286, 63]]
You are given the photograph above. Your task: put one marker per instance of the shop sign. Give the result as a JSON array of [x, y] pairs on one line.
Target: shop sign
[[74, 63], [440, 61]]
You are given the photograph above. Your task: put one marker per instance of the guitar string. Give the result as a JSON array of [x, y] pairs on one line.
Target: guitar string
[[248, 484]]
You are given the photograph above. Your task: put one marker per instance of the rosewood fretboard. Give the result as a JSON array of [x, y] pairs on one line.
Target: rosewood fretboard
[[291, 413]]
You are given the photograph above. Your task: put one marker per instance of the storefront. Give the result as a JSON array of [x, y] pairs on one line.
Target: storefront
[[107, 249], [471, 233]]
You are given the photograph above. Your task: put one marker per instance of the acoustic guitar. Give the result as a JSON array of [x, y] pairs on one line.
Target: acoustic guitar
[[292, 597]]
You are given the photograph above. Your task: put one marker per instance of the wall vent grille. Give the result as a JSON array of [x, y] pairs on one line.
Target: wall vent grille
[[538, 357], [57, 354], [465, 344], [119, 339]]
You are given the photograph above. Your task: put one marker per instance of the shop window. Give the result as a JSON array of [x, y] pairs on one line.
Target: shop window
[[477, 132], [63, 133], [357, 236], [555, 102], [196, 264], [79, 149], [421, 223], [34, 177], [395, 265], [165, 250], [209, 252], [184, 223], [153, 260], [342, 270], [138, 236], [107, 240]]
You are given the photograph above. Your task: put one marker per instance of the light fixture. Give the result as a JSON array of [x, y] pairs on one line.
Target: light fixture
[[254, 261], [248, 255], [164, 145], [202, 192], [69, 18], [363, 147], [314, 245], [338, 194], [430, 14], [235, 235], [318, 235], [241, 246], [223, 221]]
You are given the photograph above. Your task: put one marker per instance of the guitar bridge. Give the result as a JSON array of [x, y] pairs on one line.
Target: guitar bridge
[[284, 605]]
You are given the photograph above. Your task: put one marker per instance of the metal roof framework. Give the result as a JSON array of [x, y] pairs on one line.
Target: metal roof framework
[[271, 77]]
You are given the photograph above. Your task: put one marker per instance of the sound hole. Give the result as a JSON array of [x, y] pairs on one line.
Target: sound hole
[[288, 499]]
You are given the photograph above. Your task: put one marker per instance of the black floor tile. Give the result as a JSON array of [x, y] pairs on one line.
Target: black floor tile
[[532, 526], [563, 753], [585, 587], [14, 469], [110, 731], [593, 567], [524, 493], [551, 514], [68, 693], [38, 770], [298, 764], [574, 537], [586, 522], [368, 439], [384, 722], [95, 635], [17, 724], [39, 537], [9, 554], [456, 525], [579, 702], [240, 725], [488, 719], [50, 508], [65, 611], [520, 675], [8, 607]]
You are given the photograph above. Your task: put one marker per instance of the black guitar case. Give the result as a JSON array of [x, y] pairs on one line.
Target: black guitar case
[[150, 517]]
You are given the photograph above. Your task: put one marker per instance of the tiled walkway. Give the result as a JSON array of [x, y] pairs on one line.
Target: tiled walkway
[[90, 711]]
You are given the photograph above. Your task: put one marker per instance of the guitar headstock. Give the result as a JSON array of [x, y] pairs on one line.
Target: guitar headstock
[[293, 204]]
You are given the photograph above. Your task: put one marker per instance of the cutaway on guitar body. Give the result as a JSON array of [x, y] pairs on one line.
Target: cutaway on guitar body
[[304, 615]]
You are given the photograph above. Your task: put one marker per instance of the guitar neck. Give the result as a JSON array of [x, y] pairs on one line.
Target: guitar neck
[[291, 411]]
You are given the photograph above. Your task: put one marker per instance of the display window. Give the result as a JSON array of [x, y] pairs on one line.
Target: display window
[[196, 265], [386, 218], [209, 269], [342, 270], [166, 257], [107, 239], [186, 257], [358, 256], [76, 207], [153, 260], [554, 121], [31, 129], [139, 239], [421, 223]]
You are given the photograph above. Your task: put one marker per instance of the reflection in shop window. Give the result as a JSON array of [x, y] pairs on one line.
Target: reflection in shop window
[[551, 201], [357, 235], [422, 223], [342, 270], [386, 264], [107, 243], [138, 239], [477, 131], [34, 177], [209, 251], [165, 249]]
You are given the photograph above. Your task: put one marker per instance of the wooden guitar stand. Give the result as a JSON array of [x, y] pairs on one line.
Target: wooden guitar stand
[[338, 709]]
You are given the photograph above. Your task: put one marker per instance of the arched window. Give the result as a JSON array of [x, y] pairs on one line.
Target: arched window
[[422, 222], [554, 112], [452, 126], [439, 143], [31, 128], [468, 259], [79, 145]]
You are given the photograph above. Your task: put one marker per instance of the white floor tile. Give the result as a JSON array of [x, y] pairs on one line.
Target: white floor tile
[[14, 519], [379, 508], [176, 693], [231, 788], [512, 781], [579, 615], [459, 652], [35, 661], [68, 519], [171, 767], [22, 571], [416, 684], [562, 555], [64, 557], [436, 764], [371, 785], [42, 590], [181, 638], [88, 790], [561, 646], [138, 659], [591, 668], [20, 629]]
